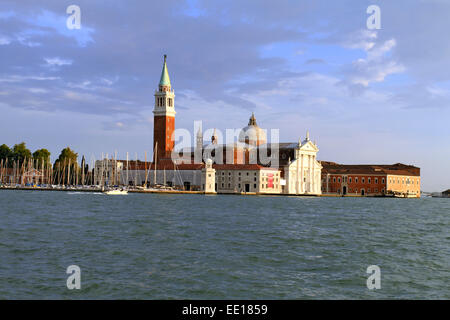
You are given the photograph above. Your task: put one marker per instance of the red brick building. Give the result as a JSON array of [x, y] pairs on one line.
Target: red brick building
[[370, 180]]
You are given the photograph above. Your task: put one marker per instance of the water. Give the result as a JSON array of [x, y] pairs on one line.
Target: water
[[154, 246]]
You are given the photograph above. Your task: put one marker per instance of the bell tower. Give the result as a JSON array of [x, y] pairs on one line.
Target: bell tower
[[164, 117]]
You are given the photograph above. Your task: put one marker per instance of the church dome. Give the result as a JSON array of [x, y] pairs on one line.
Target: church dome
[[252, 134]]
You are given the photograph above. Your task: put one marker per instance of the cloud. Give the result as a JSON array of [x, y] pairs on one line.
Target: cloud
[[4, 40], [361, 39], [57, 62], [419, 96], [49, 20], [22, 78], [38, 90], [378, 63], [315, 61]]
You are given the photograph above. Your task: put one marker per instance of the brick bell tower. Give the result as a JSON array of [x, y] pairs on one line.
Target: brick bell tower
[[164, 117]]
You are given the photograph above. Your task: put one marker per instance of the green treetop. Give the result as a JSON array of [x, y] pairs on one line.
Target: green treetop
[[66, 155], [20, 152], [5, 152], [41, 156]]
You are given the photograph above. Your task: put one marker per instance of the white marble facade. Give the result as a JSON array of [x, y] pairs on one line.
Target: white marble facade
[[303, 174]]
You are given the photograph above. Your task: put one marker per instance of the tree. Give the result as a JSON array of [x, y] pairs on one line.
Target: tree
[[20, 152], [63, 172], [5, 151], [41, 156], [66, 155]]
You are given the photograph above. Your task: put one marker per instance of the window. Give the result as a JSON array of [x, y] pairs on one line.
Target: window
[[369, 180], [254, 186], [356, 180], [368, 190], [255, 179], [334, 180], [382, 181], [376, 180], [339, 179], [363, 180], [350, 179]]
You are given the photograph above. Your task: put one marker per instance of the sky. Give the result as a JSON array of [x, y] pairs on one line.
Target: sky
[[366, 96]]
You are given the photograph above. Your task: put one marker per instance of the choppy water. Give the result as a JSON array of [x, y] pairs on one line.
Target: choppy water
[[150, 246]]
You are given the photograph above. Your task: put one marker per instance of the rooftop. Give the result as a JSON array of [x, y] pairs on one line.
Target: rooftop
[[391, 169]]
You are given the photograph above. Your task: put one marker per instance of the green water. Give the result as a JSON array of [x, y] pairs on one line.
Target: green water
[[151, 246]]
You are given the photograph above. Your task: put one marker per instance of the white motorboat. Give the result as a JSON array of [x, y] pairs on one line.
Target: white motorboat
[[116, 192]]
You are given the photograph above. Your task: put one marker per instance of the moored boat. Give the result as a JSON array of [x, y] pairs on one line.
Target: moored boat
[[116, 192]]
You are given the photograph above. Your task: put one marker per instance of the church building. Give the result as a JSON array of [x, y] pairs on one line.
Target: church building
[[224, 168]]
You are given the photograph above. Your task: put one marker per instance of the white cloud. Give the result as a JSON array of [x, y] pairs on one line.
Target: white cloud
[[58, 62], [17, 78], [362, 39], [378, 63], [37, 90], [4, 40]]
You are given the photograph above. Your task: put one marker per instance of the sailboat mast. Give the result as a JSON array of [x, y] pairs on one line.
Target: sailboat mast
[[146, 172], [127, 183], [136, 171], [83, 165], [1, 172], [155, 152], [101, 171], [68, 174]]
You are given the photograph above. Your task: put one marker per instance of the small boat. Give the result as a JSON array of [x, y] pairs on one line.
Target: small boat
[[116, 192]]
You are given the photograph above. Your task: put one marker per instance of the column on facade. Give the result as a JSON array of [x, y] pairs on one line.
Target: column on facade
[[297, 174], [301, 175], [313, 188]]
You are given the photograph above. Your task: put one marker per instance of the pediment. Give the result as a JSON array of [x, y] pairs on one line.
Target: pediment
[[309, 146]]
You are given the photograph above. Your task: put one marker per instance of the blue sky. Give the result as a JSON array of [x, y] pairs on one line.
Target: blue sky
[[366, 96]]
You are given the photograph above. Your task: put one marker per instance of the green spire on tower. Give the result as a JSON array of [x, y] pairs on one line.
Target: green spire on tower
[[165, 80]]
